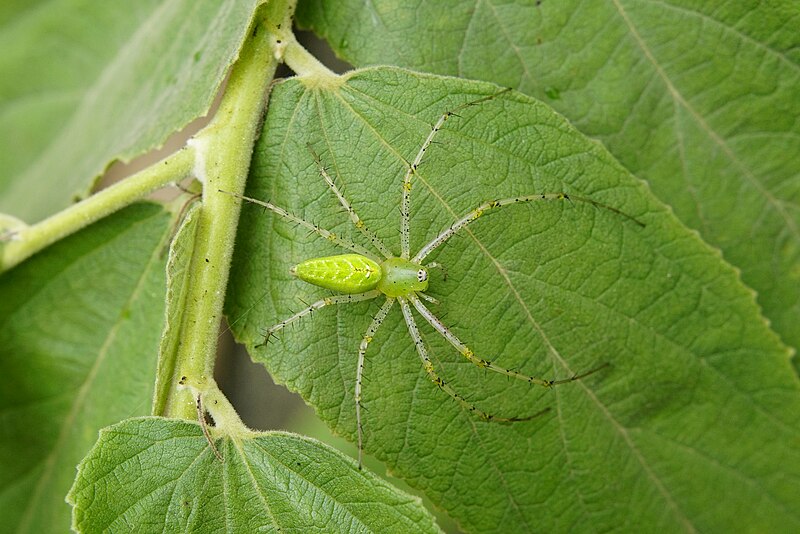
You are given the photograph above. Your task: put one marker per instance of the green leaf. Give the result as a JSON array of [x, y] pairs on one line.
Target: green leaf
[[695, 420], [273, 481], [180, 257], [84, 83], [698, 98], [79, 329]]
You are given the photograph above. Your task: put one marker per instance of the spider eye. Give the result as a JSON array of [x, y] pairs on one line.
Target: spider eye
[[422, 275]]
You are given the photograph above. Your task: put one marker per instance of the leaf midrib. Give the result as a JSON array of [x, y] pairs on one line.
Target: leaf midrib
[[704, 126]]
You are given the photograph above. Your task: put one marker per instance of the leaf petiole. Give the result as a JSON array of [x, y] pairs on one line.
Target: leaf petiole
[[29, 240]]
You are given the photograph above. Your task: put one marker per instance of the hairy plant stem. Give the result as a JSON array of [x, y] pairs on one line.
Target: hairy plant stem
[[29, 240], [305, 65], [223, 149]]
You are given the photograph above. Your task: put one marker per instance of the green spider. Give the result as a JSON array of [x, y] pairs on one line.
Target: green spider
[[362, 275]]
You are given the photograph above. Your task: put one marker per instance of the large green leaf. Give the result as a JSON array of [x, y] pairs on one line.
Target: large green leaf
[[699, 98], [269, 482], [79, 329], [84, 83], [694, 424]]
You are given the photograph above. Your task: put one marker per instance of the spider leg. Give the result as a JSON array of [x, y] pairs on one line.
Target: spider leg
[[362, 351], [439, 381], [201, 418], [428, 298], [405, 207], [485, 364], [327, 301], [437, 265], [313, 228], [357, 222], [486, 207]]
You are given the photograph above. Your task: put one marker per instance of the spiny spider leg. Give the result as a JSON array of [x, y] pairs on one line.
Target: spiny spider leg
[[493, 204], [480, 362], [428, 298], [437, 265], [436, 379], [357, 222], [313, 228], [405, 206], [362, 351], [201, 418], [327, 301]]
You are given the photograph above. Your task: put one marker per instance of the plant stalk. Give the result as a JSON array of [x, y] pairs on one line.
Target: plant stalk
[[224, 149], [29, 240]]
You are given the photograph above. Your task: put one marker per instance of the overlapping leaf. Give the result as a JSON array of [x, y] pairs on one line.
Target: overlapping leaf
[[270, 482], [699, 400], [79, 329], [698, 98], [85, 83], [180, 255]]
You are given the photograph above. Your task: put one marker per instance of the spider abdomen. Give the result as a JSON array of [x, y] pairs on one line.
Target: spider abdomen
[[345, 273]]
